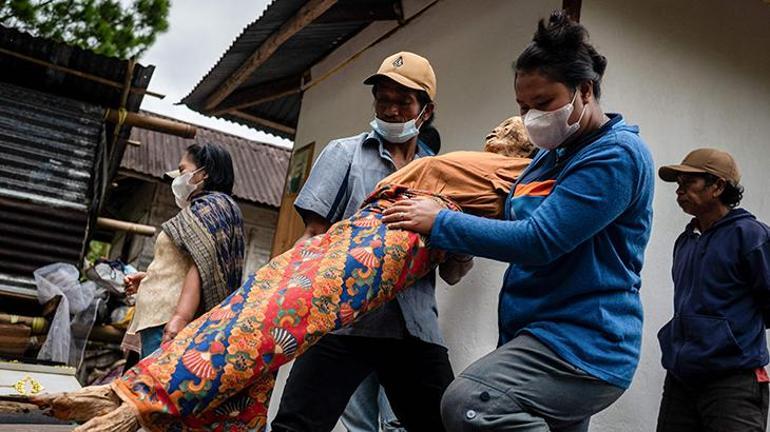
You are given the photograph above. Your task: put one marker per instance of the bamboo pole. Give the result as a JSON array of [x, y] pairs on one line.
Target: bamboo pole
[[37, 324], [106, 333], [117, 225], [113, 153], [151, 123]]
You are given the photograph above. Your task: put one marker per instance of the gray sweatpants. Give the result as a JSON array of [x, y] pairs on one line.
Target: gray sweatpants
[[523, 386]]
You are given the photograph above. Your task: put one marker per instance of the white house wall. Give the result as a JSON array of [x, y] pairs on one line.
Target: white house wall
[[690, 73]]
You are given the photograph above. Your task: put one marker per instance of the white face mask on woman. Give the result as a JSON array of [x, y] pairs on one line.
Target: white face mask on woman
[[549, 129], [182, 188], [397, 133]]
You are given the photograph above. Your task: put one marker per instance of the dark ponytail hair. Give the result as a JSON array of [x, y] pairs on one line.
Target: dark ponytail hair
[[560, 50], [217, 163]]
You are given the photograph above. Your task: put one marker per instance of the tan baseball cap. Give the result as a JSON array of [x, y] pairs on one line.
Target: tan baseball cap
[[409, 70], [705, 160]]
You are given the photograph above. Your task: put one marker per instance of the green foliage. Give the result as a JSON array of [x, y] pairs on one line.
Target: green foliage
[[120, 28], [96, 250]]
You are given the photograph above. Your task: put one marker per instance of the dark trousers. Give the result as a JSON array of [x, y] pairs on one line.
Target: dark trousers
[[735, 402], [413, 373]]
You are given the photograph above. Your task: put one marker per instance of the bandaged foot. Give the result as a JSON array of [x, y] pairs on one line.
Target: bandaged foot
[[79, 406], [121, 419]]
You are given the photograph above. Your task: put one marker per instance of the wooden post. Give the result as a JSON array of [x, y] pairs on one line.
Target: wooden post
[[573, 8], [290, 225]]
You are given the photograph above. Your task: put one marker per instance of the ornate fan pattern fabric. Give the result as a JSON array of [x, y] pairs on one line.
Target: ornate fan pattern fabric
[[218, 373]]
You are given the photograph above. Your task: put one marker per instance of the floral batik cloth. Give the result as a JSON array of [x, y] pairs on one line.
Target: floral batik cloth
[[218, 373]]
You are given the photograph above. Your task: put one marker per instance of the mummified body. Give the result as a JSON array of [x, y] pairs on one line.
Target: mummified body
[[218, 373]]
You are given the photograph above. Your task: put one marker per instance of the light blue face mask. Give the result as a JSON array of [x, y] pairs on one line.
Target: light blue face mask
[[397, 133]]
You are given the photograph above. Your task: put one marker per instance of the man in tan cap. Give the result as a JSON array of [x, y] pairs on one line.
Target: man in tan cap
[[400, 343], [714, 347]]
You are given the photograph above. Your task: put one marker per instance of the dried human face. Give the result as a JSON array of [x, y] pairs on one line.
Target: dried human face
[[509, 138]]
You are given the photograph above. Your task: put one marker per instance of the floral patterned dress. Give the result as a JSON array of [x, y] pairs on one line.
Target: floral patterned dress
[[218, 373]]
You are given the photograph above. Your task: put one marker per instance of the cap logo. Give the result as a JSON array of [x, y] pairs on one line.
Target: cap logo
[[398, 62]]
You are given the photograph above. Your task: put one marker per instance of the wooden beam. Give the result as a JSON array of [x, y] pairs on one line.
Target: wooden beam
[[308, 83], [369, 10], [263, 121], [573, 8], [258, 94], [304, 16]]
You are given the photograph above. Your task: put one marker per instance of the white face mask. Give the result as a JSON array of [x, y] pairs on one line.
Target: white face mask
[[549, 129], [182, 188], [397, 133]]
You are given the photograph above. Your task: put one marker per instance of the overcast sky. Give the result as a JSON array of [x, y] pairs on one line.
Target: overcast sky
[[200, 31]]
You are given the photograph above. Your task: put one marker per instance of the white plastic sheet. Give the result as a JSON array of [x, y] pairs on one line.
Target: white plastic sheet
[[74, 317]]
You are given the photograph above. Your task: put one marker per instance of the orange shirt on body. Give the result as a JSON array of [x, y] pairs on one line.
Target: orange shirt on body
[[479, 182]]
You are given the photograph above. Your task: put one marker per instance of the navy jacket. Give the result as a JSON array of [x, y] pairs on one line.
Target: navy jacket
[[721, 294]]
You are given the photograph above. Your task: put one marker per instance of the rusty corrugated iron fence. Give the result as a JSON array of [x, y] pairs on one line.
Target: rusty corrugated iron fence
[[51, 151]]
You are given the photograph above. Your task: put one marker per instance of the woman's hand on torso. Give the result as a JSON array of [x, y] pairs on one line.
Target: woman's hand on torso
[[132, 282]]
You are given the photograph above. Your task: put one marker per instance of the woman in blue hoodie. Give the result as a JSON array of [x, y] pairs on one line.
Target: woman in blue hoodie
[[575, 229]]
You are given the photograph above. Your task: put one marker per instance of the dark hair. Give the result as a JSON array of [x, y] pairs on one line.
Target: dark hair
[[218, 165], [422, 99], [430, 136], [731, 196], [560, 50]]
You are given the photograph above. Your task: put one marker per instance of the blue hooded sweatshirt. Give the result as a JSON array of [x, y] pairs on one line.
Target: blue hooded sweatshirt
[[578, 223], [721, 294]]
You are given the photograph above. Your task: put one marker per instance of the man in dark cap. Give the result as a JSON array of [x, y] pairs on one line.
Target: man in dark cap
[[714, 348]]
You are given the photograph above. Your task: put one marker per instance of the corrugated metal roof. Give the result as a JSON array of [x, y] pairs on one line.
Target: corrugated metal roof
[[55, 152], [260, 169], [21, 72], [294, 58], [48, 157], [38, 77], [33, 235], [47, 147]]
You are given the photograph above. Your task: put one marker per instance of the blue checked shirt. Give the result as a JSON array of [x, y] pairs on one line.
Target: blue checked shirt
[[343, 176]]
